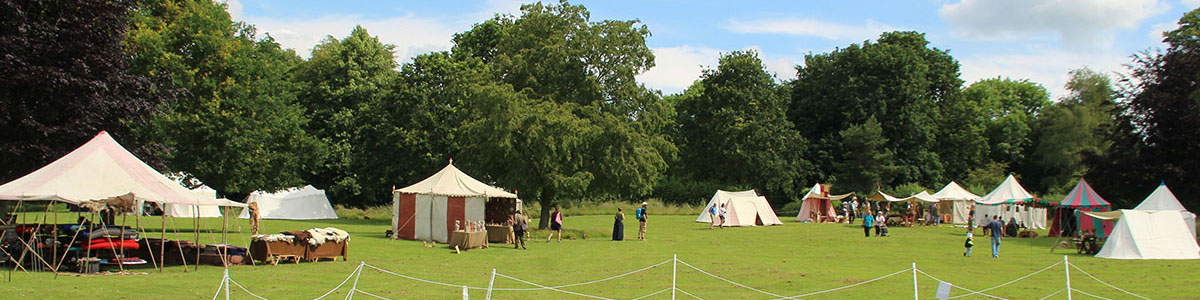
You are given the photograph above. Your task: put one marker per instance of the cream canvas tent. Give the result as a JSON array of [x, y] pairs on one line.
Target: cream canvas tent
[[744, 208], [1007, 200], [429, 210], [819, 202], [101, 169], [306, 203], [1150, 234], [191, 211], [1163, 199], [956, 200], [719, 198]]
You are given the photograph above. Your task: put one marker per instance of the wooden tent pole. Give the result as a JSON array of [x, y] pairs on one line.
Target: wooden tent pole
[[182, 257], [162, 245], [196, 232], [64, 255]]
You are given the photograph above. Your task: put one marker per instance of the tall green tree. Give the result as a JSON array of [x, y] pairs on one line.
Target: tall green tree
[[735, 130], [237, 127], [1069, 130], [868, 162], [574, 92], [339, 83], [1154, 138], [1010, 108], [898, 79], [64, 79]]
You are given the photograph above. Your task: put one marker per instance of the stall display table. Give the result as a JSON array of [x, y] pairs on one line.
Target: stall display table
[[328, 249], [468, 240], [500, 234], [275, 251]]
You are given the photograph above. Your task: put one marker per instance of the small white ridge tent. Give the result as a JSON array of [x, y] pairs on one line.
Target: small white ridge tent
[[819, 202], [1150, 234], [190, 211], [100, 169], [1163, 199], [429, 210], [957, 200], [306, 203], [721, 197], [742, 209], [1006, 201]]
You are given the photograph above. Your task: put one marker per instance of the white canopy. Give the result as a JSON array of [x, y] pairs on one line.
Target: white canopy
[[307, 203], [452, 182], [881, 196], [100, 169], [953, 192], [1158, 234], [721, 197], [923, 196], [1008, 192]]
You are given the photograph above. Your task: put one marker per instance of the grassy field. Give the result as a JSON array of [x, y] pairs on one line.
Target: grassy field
[[789, 260]]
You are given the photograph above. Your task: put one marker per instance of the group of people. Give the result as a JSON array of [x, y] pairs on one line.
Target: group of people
[[618, 233], [995, 229], [877, 221], [717, 215]]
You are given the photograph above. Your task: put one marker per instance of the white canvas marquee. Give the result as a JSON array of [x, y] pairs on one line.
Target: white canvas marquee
[[190, 211], [744, 208], [1163, 199], [101, 169], [1006, 201], [956, 200], [306, 203], [1150, 234], [430, 209]]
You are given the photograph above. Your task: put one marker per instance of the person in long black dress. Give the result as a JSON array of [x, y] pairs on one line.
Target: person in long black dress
[[619, 226]]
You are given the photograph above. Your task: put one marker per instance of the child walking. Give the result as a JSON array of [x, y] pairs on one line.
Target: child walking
[[970, 243]]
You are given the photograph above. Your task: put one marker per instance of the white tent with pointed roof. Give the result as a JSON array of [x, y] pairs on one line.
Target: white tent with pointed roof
[[100, 169], [818, 202], [1163, 199], [306, 203], [721, 197], [1150, 234], [191, 211], [1005, 201], [432, 208], [956, 200], [744, 208]]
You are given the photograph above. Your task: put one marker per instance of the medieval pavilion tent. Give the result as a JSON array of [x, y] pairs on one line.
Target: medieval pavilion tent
[[745, 208], [819, 202], [1163, 199], [956, 200], [306, 203], [1150, 234], [1068, 219], [1007, 200], [429, 210]]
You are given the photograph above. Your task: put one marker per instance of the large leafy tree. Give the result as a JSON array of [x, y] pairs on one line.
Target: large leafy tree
[[1069, 130], [735, 130], [339, 83], [237, 127], [65, 79], [868, 163], [898, 79], [1154, 138], [1010, 108], [566, 116]]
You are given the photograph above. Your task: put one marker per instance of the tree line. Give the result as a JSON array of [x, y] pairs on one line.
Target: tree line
[[547, 102]]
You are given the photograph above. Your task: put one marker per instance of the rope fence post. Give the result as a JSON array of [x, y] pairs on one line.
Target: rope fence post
[[914, 271], [1067, 267], [357, 273], [674, 267], [466, 295], [225, 281], [491, 283]]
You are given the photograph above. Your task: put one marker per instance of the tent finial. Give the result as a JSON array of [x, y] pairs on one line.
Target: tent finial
[[452, 160]]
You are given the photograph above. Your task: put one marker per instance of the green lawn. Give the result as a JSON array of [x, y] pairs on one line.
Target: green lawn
[[791, 259]]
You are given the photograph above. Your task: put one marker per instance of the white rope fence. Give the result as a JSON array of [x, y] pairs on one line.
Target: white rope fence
[[227, 282]]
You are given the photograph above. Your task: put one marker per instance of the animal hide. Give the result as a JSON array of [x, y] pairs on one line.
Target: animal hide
[[278, 237], [321, 235]]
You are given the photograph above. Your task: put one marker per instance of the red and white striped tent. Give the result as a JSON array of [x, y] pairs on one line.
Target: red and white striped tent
[[428, 209]]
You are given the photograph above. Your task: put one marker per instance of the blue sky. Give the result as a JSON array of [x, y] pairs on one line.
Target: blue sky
[[1039, 40]]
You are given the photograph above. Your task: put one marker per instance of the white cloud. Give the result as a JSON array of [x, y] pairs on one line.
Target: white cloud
[[1190, 4], [1156, 31], [1079, 24], [811, 27], [675, 68], [411, 35], [234, 7], [1049, 67]]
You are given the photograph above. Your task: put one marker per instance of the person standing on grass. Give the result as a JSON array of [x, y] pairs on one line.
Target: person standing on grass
[[969, 243], [641, 216], [722, 215], [520, 225], [555, 225], [712, 213], [852, 211], [867, 220], [881, 220], [997, 229], [619, 225]]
